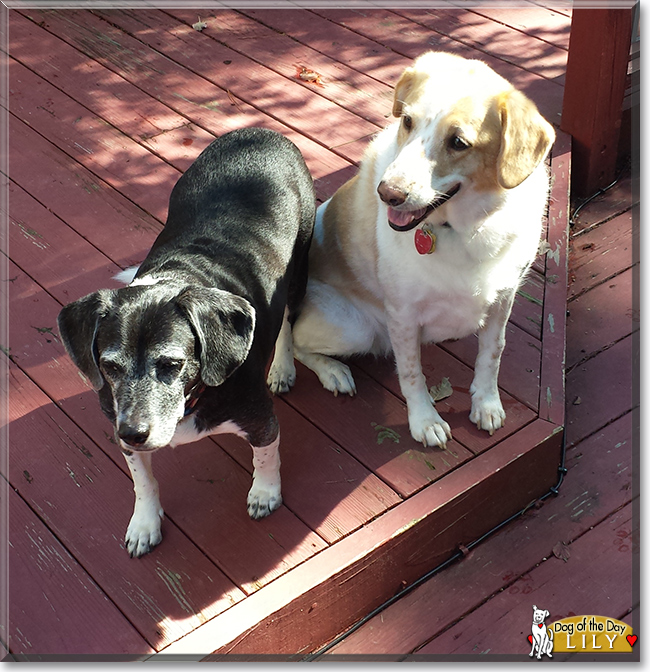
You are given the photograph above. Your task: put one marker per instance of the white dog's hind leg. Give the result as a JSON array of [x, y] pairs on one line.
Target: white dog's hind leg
[[282, 374], [143, 532], [425, 422], [329, 324], [487, 411], [265, 494]]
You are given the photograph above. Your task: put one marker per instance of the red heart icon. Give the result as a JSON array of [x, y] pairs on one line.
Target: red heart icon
[[530, 638], [631, 639], [540, 625]]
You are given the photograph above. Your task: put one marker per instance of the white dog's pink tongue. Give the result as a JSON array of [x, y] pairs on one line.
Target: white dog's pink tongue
[[404, 217]]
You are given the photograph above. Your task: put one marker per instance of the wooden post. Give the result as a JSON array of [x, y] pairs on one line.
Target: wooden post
[[599, 50]]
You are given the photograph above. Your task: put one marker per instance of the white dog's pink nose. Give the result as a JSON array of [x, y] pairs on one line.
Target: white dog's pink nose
[[391, 195]]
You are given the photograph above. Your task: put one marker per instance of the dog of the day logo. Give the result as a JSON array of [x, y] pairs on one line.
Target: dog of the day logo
[[579, 634]]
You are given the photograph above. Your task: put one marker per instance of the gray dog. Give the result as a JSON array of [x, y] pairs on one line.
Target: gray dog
[[181, 352]]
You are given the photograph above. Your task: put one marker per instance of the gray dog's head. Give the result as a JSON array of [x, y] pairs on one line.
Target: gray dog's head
[[145, 348]]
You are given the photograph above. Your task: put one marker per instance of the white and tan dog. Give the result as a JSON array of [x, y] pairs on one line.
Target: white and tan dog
[[431, 239]]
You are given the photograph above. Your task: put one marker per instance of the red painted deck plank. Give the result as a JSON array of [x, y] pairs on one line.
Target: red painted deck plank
[[205, 105], [600, 317], [55, 608], [552, 379], [496, 39], [527, 311], [599, 559], [297, 107], [614, 201], [410, 39], [583, 501], [87, 204], [600, 253], [329, 38], [112, 156], [99, 89], [536, 22], [599, 390], [349, 495], [86, 500], [351, 89]]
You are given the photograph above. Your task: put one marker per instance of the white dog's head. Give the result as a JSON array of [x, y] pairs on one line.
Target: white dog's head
[[539, 615], [462, 127]]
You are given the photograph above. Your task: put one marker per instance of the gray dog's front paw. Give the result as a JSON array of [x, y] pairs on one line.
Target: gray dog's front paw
[[263, 500], [143, 532]]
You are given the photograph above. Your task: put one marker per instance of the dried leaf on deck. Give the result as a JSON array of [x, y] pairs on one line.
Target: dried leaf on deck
[[200, 25], [561, 551], [442, 391], [309, 76]]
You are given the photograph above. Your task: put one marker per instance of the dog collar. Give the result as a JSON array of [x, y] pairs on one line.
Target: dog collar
[[193, 397]]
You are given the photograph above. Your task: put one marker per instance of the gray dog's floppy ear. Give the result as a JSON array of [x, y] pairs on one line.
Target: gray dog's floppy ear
[[224, 324], [78, 323]]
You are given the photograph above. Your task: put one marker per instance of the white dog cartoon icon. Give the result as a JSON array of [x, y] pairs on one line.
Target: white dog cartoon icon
[[542, 636]]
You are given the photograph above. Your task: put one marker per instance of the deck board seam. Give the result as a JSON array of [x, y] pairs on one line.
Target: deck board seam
[[596, 225], [604, 348], [609, 278]]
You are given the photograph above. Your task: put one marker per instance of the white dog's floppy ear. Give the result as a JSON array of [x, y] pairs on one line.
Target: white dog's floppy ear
[[548, 613], [224, 325], [526, 138], [78, 323], [402, 89]]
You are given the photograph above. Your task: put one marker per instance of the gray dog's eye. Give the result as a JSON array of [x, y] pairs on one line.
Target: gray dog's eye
[[111, 369], [169, 367]]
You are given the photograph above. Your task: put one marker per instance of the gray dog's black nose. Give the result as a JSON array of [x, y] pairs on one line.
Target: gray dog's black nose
[[133, 435], [390, 195]]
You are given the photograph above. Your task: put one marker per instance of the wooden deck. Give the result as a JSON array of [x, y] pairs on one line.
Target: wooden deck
[[106, 109]]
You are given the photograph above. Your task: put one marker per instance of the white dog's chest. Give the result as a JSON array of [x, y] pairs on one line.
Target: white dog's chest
[[446, 292]]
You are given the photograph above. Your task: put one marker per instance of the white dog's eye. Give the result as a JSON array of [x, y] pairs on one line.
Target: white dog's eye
[[458, 144], [408, 122]]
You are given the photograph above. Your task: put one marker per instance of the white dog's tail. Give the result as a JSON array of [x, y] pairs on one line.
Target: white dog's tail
[[126, 276]]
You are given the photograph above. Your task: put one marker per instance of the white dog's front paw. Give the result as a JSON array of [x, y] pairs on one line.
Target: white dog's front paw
[[263, 499], [428, 428], [487, 412], [143, 532], [336, 377], [282, 377]]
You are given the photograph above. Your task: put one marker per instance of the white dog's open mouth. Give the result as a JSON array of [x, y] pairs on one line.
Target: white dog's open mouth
[[405, 220]]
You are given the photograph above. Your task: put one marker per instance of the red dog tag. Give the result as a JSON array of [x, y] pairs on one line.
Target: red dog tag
[[425, 242]]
